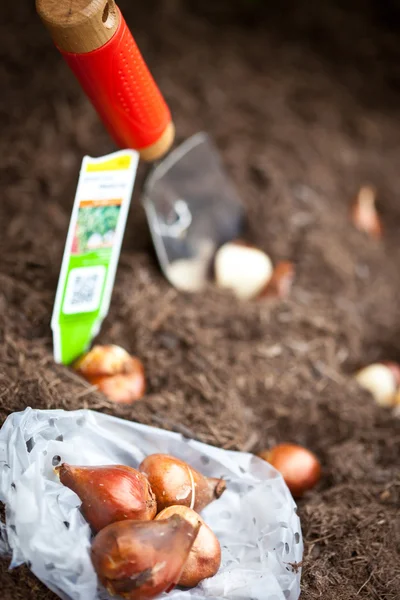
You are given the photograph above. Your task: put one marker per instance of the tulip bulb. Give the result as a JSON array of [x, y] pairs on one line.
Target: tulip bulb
[[174, 482], [104, 360], [244, 269], [381, 380], [139, 560], [110, 493], [364, 214], [204, 558], [122, 389], [117, 374], [299, 467]]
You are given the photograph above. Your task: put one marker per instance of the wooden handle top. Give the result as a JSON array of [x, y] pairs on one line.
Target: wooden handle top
[[79, 26]]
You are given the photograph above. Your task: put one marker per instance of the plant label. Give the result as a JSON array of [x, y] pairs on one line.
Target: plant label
[[92, 251]]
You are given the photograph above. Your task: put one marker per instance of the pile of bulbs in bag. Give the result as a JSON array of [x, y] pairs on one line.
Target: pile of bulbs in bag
[[99, 506], [150, 536]]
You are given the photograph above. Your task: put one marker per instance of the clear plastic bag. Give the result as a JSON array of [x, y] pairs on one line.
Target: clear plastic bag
[[255, 519]]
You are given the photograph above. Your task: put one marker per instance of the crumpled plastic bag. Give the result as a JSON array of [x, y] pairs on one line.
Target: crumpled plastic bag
[[255, 520]]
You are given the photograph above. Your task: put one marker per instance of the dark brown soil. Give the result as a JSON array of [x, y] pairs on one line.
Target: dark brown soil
[[304, 105]]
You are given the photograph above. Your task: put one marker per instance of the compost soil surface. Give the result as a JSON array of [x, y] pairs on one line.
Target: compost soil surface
[[303, 103]]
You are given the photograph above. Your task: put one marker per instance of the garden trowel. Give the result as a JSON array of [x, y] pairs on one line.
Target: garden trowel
[[191, 206]]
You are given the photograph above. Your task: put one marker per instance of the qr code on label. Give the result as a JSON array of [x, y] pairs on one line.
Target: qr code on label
[[84, 290]]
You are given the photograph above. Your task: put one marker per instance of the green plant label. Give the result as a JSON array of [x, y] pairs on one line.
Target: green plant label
[[92, 251]]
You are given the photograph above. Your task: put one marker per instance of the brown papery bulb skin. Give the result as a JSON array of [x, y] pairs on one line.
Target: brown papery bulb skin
[[364, 214], [172, 481], [104, 360], [139, 560], [110, 493], [204, 559], [299, 467], [280, 284]]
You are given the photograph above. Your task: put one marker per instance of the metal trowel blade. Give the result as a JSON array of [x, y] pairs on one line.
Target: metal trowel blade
[[192, 209]]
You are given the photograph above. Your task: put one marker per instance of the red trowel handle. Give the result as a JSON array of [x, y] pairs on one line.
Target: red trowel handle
[[97, 45]]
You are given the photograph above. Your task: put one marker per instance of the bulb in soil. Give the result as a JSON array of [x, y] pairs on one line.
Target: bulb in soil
[[117, 374], [204, 559], [381, 380], [174, 482], [299, 467], [122, 389], [104, 360], [142, 560], [244, 269], [280, 284], [364, 214], [110, 493]]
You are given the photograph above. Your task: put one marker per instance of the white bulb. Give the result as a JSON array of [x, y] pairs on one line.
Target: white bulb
[[380, 382], [244, 269]]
